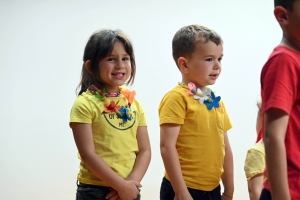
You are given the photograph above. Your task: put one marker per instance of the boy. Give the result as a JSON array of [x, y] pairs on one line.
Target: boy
[[194, 122], [280, 85]]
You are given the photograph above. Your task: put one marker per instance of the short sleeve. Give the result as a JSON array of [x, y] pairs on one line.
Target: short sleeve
[[172, 108], [254, 162], [280, 80], [142, 115], [81, 111], [227, 122]]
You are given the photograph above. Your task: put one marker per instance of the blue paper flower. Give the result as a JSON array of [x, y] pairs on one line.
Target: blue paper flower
[[124, 113], [213, 103]]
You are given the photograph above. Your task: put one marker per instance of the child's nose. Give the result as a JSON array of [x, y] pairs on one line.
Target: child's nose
[[217, 65], [120, 64]]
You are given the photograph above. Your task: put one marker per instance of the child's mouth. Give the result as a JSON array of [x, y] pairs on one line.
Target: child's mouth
[[118, 75], [214, 76]]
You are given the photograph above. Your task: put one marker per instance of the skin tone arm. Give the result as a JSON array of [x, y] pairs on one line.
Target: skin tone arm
[[83, 137], [227, 176], [141, 162], [276, 122], [255, 184], [168, 137]]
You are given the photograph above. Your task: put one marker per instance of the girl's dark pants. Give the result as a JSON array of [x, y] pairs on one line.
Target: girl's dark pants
[[265, 195], [93, 192]]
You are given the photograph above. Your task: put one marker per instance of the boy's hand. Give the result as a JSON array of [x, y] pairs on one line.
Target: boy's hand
[[129, 191], [183, 196]]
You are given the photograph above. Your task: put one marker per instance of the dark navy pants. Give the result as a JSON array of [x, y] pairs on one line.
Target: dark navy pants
[[265, 195], [93, 192], [167, 192]]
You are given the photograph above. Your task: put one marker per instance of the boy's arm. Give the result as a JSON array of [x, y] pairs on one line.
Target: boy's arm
[[276, 122], [168, 137], [143, 156], [227, 176], [83, 137]]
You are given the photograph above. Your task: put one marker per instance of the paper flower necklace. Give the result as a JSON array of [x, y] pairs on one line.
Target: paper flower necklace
[[207, 97], [123, 112], [101, 94]]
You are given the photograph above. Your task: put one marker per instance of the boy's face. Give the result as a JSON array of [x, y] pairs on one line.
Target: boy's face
[[294, 21], [203, 67], [293, 28]]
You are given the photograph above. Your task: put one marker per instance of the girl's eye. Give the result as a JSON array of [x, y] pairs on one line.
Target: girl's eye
[[209, 59], [220, 59], [126, 58], [110, 59]]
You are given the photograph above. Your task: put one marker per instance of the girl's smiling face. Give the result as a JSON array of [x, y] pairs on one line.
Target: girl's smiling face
[[115, 68]]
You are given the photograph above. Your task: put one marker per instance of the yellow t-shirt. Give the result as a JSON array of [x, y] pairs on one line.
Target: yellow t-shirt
[[115, 140], [255, 161], [200, 143]]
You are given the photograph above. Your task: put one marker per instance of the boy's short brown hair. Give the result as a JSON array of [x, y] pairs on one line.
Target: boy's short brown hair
[[184, 40], [287, 4]]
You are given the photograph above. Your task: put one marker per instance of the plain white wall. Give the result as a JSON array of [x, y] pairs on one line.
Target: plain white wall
[[41, 49]]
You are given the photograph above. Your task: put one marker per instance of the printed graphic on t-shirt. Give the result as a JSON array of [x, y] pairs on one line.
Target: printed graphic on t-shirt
[[121, 120]]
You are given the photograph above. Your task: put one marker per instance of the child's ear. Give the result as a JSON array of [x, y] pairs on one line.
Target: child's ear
[[182, 64], [88, 66], [281, 16]]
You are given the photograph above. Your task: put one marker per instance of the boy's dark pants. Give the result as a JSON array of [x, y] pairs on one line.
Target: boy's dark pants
[[167, 192], [93, 192], [265, 195]]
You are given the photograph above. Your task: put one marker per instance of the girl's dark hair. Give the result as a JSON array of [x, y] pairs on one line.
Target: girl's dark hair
[[99, 45]]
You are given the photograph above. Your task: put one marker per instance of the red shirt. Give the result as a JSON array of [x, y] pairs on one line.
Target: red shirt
[[280, 87]]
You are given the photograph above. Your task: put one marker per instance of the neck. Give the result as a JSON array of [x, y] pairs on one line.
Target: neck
[[202, 88], [291, 43], [108, 93]]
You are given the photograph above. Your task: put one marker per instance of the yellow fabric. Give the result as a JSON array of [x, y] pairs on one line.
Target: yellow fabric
[[200, 144], [115, 141], [255, 161]]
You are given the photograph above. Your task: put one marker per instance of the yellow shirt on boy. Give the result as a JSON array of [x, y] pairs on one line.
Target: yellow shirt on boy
[[200, 143], [115, 140]]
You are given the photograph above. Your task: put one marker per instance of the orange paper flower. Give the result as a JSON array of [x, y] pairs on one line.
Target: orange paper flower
[[129, 95], [112, 107]]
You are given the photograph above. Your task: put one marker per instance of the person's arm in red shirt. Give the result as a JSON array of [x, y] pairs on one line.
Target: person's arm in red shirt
[[275, 125]]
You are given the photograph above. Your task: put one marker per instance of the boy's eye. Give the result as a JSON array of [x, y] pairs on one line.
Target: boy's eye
[[220, 59], [110, 59], [209, 59]]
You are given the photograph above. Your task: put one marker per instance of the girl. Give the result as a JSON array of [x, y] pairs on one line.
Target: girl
[[255, 161], [108, 123]]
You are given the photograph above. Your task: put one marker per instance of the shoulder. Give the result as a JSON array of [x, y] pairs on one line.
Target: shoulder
[[283, 56], [175, 93], [137, 104], [84, 100]]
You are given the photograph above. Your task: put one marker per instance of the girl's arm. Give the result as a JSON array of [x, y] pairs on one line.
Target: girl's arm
[[168, 137], [227, 176], [255, 186], [83, 137], [143, 156], [276, 122]]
